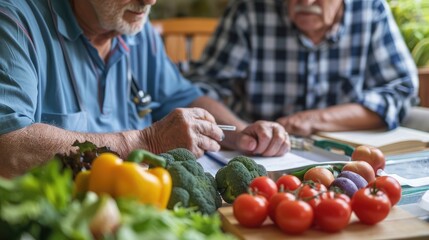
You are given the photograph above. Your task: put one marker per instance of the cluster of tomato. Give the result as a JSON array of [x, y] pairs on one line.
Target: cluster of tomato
[[295, 206]]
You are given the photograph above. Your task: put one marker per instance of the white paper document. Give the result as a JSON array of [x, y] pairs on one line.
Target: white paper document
[[209, 165], [287, 161]]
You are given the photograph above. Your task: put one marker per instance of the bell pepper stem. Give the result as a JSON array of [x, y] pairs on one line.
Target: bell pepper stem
[[141, 155]]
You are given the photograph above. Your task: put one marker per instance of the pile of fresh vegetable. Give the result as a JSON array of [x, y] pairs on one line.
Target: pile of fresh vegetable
[[113, 199], [305, 205], [322, 197]]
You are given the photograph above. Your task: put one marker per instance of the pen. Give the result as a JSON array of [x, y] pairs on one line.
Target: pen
[[212, 157], [227, 127]]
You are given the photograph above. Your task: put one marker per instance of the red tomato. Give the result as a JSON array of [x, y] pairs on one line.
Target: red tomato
[[289, 182], [294, 217], [319, 175], [264, 186], [371, 155], [343, 197], [250, 210], [312, 193], [390, 186], [332, 215], [275, 201], [370, 205], [338, 195]]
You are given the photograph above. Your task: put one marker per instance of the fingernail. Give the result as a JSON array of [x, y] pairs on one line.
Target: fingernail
[[222, 137]]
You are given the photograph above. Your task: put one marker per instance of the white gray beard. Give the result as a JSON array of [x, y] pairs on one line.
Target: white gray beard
[[126, 28], [111, 19]]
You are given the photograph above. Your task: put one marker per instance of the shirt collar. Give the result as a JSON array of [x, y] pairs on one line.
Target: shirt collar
[[66, 20], [132, 40]]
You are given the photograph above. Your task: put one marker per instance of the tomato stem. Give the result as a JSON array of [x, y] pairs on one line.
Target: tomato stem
[[374, 190]]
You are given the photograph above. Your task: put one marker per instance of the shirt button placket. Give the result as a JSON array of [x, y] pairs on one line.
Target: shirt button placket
[[311, 79]]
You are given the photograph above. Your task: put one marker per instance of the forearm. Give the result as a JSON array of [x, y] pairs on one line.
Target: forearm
[[35, 144], [347, 117]]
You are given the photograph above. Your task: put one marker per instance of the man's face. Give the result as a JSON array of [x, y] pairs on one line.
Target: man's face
[[123, 16], [313, 15]]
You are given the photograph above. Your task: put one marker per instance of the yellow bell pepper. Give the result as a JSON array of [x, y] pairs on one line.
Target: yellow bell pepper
[[111, 175], [165, 178], [133, 181], [101, 179]]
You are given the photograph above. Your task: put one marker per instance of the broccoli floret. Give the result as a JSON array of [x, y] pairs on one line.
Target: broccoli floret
[[192, 186], [178, 195], [213, 191], [168, 158], [234, 178], [182, 154]]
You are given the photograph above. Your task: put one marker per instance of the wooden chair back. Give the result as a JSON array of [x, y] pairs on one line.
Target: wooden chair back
[[185, 38]]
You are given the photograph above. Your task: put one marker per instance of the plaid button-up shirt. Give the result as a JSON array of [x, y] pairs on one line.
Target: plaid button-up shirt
[[274, 70]]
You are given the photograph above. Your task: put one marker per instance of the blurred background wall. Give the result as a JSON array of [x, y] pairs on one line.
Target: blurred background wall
[[185, 8]]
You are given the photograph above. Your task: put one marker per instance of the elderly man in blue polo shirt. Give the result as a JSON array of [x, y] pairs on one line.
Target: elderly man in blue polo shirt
[[93, 70], [311, 65]]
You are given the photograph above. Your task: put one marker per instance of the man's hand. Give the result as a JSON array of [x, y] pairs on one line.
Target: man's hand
[[263, 138], [191, 128], [302, 123]]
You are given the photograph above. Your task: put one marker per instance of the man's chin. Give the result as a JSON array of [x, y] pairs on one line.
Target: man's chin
[[308, 25], [132, 30], [135, 28]]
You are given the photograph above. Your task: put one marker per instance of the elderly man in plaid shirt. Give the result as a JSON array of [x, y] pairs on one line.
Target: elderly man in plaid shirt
[[311, 65]]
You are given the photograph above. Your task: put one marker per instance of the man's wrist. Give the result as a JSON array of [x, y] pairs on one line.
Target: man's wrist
[[148, 140], [322, 119]]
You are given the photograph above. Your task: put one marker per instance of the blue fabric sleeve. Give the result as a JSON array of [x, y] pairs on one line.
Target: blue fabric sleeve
[[18, 81], [392, 82]]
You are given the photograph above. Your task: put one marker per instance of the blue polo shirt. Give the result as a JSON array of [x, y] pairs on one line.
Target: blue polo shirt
[[45, 68]]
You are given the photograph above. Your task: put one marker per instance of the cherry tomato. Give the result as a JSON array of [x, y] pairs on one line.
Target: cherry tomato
[[362, 168], [319, 175], [294, 217], [332, 215], [312, 193], [289, 182], [390, 186], [264, 186], [371, 155], [250, 210], [370, 205], [275, 201]]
